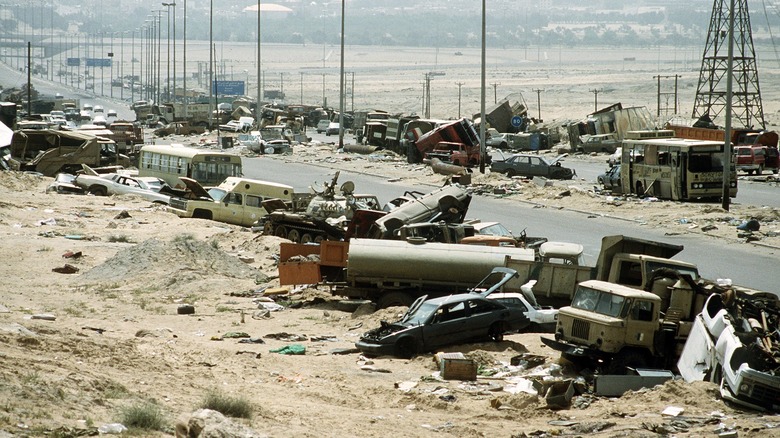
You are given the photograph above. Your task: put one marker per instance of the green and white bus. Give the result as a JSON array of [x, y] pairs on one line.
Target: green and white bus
[[170, 162]]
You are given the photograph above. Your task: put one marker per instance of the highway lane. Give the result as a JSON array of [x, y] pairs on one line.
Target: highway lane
[[746, 264]]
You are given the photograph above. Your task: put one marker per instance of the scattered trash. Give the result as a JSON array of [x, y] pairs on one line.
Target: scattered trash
[[122, 215], [234, 335], [44, 316], [374, 369], [292, 349], [67, 269], [94, 329], [287, 337], [185, 309], [49, 221], [72, 255], [112, 429], [709, 228], [673, 411], [251, 341], [749, 225]]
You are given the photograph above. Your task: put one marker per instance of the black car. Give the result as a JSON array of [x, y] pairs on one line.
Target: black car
[[453, 319], [610, 179], [529, 166]]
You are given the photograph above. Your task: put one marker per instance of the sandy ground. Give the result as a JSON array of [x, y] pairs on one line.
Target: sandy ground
[[78, 348]]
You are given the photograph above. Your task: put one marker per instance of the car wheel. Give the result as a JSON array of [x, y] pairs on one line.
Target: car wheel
[[392, 299], [406, 348], [98, 191], [496, 331], [503, 145]]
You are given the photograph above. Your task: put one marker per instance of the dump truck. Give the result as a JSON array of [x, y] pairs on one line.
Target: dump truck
[[52, 151]]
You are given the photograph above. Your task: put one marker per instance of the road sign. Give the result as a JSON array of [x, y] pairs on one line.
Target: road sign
[[229, 88], [516, 121]]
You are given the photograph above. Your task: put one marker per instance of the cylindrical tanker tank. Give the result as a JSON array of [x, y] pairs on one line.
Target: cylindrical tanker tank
[[372, 260]]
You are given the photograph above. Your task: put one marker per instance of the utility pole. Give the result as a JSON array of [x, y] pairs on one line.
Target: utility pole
[[539, 102], [459, 84], [659, 94], [495, 91], [596, 99]]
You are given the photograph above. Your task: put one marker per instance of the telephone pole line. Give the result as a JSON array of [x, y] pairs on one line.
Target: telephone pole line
[[596, 99], [495, 91], [459, 84], [539, 102]]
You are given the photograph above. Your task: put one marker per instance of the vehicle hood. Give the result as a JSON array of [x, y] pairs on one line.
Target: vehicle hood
[[195, 188], [387, 332], [558, 158]]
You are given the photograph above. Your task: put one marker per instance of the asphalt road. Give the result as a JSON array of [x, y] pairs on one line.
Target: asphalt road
[[746, 264]]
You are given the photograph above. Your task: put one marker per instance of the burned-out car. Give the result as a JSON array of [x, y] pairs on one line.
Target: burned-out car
[[448, 320], [529, 166]]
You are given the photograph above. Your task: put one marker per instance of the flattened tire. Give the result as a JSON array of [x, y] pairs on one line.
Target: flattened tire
[[496, 331], [280, 231], [406, 348], [392, 299]]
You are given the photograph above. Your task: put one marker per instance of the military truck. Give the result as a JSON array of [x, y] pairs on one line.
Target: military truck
[[235, 201], [52, 151], [615, 328]]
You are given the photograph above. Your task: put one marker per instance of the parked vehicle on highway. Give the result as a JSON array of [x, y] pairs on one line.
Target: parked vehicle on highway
[[333, 129], [750, 159], [322, 126], [529, 166], [243, 124], [452, 319], [600, 143], [610, 179]]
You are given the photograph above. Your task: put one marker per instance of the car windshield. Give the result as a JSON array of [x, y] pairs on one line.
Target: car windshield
[[217, 194], [421, 315], [597, 301], [495, 230]]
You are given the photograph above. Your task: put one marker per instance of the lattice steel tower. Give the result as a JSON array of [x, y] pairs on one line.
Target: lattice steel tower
[[747, 109]]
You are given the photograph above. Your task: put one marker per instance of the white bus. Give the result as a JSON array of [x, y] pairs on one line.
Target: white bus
[[170, 162]]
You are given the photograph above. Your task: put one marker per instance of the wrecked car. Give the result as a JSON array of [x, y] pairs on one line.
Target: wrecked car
[[529, 166], [734, 344], [148, 188], [610, 179], [448, 320], [63, 184]]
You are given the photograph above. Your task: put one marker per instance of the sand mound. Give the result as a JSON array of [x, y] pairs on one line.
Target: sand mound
[[183, 254]]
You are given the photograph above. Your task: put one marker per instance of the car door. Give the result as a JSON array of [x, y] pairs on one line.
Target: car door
[[232, 210], [447, 326], [521, 165], [537, 167]]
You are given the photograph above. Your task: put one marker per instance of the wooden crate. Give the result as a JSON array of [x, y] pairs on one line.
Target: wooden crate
[[455, 366]]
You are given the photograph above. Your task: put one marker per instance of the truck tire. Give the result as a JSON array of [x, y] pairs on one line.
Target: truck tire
[[98, 190], [406, 348], [392, 299], [627, 358], [496, 331]]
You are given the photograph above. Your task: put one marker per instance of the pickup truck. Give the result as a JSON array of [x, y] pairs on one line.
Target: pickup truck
[[455, 153], [749, 159]]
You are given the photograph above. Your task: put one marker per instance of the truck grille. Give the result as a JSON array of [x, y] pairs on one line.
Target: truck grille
[[765, 394], [178, 203], [580, 329]]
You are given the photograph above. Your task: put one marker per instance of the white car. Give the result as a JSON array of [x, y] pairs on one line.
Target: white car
[[115, 184], [111, 113], [543, 319], [243, 124]]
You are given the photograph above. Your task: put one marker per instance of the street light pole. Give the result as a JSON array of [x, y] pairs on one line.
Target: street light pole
[[184, 67], [168, 32], [341, 82], [259, 68]]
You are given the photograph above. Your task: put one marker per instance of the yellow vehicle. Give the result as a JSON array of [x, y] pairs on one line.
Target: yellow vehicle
[[237, 201], [674, 168], [171, 162]]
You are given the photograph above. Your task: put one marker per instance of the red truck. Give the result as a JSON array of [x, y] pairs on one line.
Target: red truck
[[749, 159], [458, 154], [459, 131]]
